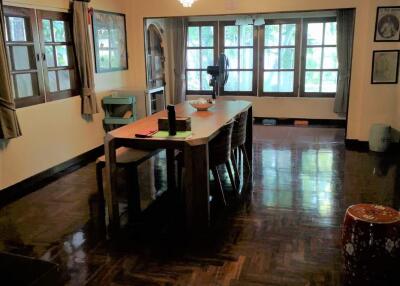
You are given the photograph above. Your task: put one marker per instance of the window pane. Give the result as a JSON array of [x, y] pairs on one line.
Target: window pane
[[26, 85], [246, 58], [330, 58], [288, 34], [103, 39], [330, 33], [314, 33], [64, 80], [233, 81], [245, 81], [59, 31], [193, 39], [193, 80], [50, 56], [193, 59], [46, 30], [21, 56], [231, 36], [287, 58], [313, 60], [116, 38], [52, 81], [205, 81], [272, 35], [62, 56], [207, 58], [207, 36], [271, 59], [246, 35], [329, 81], [115, 59], [17, 29], [270, 81], [104, 59], [312, 81], [233, 57], [286, 81]]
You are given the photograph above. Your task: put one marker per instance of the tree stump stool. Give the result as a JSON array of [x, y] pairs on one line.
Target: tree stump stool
[[371, 245]]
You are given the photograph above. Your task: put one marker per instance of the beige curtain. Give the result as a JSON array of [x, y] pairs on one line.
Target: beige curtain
[[84, 57], [9, 126], [179, 26]]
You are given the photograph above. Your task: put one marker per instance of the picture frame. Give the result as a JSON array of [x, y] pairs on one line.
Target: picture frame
[[110, 41], [387, 25], [385, 67]]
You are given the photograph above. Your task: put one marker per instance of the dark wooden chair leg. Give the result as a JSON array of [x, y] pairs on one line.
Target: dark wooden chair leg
[[133, 191], [220, 191], [246, 158], [99, 180], [235, 168], [231, 178]]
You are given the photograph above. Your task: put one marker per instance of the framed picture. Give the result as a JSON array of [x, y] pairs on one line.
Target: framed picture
[[387, 27], [109, 39], [385, 67]]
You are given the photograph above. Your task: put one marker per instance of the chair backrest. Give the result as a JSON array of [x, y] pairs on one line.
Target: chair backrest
[[220, 146], [239, 130]]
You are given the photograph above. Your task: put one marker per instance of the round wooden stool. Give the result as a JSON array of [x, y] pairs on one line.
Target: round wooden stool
[[371, 245]]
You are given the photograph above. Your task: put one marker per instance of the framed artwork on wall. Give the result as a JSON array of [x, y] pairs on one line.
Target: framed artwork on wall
[[387, 26], [109, 40], [385, 67]]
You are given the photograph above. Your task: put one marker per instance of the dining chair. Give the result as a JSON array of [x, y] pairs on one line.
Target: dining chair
[[238, 142], [128, 159]]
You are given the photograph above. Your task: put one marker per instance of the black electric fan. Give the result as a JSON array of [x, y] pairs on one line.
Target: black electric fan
[[219, 74]]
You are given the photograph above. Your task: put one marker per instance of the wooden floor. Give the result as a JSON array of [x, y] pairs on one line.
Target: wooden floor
[[286, 231]]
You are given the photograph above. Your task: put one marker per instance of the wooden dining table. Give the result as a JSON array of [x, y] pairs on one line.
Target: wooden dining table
[[205, 126]]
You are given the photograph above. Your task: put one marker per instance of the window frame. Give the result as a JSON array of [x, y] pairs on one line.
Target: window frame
[[221, 35], [297, 56], [304, 46], [215, 53]]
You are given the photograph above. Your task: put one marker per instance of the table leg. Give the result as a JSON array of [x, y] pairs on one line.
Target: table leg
[[171, 181], [196, 190], [110, 193]]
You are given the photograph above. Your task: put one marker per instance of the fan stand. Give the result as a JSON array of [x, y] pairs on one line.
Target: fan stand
[[214, 84]]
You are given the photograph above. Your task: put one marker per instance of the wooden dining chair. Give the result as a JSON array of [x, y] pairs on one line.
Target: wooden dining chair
[[238, 142], [128, 159]]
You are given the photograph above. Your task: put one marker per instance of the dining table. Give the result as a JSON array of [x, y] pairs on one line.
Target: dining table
[[205, 125]]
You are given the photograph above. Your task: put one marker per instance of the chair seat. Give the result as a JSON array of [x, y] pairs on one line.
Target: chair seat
[[128, 156]]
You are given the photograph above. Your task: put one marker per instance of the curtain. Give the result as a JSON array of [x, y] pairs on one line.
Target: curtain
[[179, 28], [345, 29], [84, 57], [9, 126]]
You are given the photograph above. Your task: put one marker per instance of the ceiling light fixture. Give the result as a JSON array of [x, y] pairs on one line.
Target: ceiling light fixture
[[187, 3]]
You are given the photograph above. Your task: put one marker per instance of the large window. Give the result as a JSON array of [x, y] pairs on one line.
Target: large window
[[41, 56], [200, 53], [238, 44], [320, 68]]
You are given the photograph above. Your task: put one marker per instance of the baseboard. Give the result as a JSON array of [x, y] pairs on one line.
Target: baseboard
[[312, 122], [32, 184]]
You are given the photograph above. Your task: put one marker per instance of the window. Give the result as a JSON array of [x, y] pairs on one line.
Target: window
[[320, 67], [280, 58], [238, 44], [41, 63], [200, 53]]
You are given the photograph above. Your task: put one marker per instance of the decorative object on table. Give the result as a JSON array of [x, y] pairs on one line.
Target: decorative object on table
[[379, 137], [371, 245], [171, 120], [110, 45], [201, 104], [385, 67], [182, 124], [387, 27], [119, 109]]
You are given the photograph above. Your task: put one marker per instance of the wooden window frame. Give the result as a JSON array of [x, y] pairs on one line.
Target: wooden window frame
[[72, 67], [304, 47], [215, 48], [221, 34], [297, 55]]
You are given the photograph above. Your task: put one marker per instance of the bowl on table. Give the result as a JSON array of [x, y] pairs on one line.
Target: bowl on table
[[201, 104]]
